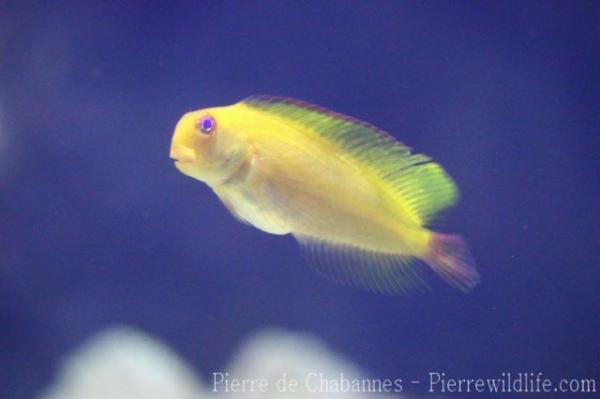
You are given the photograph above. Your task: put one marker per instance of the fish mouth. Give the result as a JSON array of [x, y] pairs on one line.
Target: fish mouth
[[180, 164], [181, 161], [182, 155]]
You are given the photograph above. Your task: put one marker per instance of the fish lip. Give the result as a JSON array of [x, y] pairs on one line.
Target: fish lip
[[182, 156], [179, 158], [181, 161]]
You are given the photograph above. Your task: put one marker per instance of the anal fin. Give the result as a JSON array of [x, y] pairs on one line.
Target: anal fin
[[391, 274]]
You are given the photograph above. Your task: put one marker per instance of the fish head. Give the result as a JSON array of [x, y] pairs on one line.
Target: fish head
[[209, 145]]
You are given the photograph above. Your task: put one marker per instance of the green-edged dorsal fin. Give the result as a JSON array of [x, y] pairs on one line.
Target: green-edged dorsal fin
[[419, 185]]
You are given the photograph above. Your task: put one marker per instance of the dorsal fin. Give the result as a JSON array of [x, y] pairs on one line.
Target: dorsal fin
[[419, 186]]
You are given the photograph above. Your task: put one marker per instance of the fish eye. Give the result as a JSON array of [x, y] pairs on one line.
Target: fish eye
[[207, 124]]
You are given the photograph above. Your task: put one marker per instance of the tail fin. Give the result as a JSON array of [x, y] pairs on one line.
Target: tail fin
[[451, 259]]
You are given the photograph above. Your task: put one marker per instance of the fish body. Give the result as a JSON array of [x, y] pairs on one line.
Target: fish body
[[357, 201]]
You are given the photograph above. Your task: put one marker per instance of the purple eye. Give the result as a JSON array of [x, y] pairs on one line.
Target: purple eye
[[207, 124]]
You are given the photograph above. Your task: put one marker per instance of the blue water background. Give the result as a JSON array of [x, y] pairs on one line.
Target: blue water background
[[98, 228]]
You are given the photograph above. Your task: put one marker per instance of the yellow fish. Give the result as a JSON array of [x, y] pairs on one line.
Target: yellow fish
[[356, 200]]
